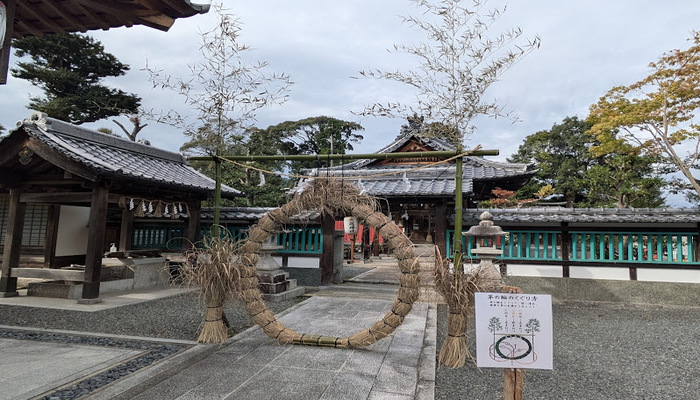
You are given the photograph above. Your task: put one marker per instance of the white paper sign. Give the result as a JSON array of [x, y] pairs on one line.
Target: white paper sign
[[514, 330]]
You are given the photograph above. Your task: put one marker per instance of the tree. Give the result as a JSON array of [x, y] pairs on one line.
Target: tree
[[260, 189], [458, 63], [562, 158], [223, 89], [507, 199], [135, 119], [69, 69], [656, 114], [316, 135], [621, 178]]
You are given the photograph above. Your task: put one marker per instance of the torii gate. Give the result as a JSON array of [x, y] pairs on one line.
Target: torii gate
[[457, 244]]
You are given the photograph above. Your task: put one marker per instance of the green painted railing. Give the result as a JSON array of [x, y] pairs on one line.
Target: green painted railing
[[518, 245], [295, 240], [301, 241], [157, 237], [587, 246], [634, 247]]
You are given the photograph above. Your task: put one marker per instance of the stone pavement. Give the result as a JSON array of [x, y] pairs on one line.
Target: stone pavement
[[250, 365], [32, 368]]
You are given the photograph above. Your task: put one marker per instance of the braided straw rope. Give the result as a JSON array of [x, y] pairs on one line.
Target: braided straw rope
[[332, 197]]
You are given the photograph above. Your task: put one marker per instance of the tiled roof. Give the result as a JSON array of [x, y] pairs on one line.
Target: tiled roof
[[405, 180], [557, 215], [40, 17], [534, 215], [114, 157], [251, 214]]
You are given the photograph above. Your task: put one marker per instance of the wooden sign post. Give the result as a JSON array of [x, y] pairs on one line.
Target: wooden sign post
[[513, 382], [513, 332]]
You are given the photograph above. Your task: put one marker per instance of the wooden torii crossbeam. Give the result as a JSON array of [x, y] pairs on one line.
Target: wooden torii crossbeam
[[457, 244]]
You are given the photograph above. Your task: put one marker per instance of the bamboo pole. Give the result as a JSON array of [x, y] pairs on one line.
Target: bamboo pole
[[372, 156], [457, 243], [217, 198]]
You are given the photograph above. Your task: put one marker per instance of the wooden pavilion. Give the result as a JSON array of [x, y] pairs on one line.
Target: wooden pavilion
[[417, 193], [70, 168], [20, 18]]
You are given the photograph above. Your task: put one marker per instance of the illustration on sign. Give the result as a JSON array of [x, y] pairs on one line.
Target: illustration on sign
[[514, 330]]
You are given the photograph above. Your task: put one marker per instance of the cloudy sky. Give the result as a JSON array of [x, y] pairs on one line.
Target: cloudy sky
[[587, 48]]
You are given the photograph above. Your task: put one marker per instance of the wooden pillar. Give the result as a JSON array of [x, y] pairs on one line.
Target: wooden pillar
[[366, 245], [440, 221], [126, 230], [5, 48], [194, 222], [51, 236], [95, 245], [565, 246], [326, 261], [13, 244]]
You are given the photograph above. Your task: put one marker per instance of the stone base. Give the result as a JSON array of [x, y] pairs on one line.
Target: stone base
[[289, 294], [310, 277], [273, 282], [74, 290], [90, 301]]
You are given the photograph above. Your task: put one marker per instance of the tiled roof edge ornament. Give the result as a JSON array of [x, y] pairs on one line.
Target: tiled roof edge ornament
[[38, 119], [200, 8]]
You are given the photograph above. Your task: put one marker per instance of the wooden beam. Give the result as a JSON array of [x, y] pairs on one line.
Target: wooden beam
[[39, 16], [5, 48], [90, 14], [126, 230], [193, 222], [565, 246], [440, 220], [326, 261], [95, 246], [51, 236], [13, 244], [56, 198], [156, 20], [68, 17], [50, 155]]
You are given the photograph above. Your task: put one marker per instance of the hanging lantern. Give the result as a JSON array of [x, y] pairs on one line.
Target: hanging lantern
[[350, 225]]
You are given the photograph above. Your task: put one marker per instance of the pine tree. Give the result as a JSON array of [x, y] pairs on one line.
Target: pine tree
[[69, 69]]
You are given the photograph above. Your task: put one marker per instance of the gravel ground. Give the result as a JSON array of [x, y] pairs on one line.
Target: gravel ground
[[601, 351], [177, 317]]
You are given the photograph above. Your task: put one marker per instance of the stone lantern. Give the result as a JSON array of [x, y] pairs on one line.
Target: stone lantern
[[485, 234]]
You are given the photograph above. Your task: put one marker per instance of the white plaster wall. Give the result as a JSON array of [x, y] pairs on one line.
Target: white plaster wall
[[72, 231], [300, 262], [668, 275], [548, 271], [614, 273]]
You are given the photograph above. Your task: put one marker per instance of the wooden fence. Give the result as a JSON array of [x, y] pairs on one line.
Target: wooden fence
[[629, 249]]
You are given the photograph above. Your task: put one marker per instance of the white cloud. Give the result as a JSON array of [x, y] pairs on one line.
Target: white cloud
[[587, 48]]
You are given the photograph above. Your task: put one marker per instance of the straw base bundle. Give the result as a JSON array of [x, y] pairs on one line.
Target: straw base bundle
[[458, 288], [215, 329], [212, 269], [454, 351]]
